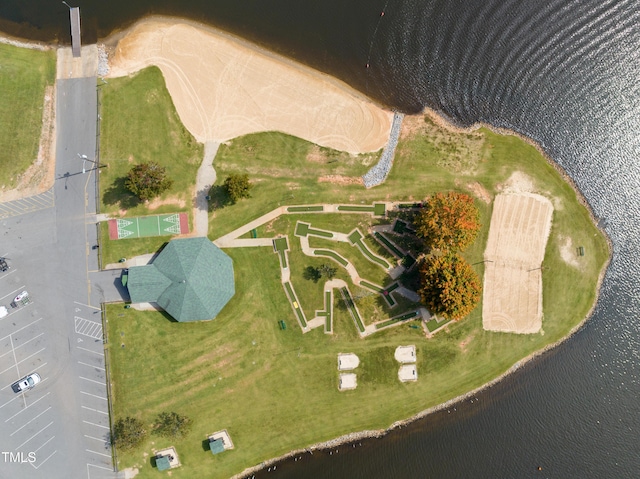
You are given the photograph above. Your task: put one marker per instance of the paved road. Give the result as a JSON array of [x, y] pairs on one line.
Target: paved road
[[60, 429]]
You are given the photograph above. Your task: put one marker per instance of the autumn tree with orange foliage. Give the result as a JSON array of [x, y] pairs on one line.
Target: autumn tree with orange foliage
[[448, 222], [449, 286]]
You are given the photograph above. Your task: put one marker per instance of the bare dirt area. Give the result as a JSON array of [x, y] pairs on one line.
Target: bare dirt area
[[224, 87], [40, 176], [520, 226], [341, 180]]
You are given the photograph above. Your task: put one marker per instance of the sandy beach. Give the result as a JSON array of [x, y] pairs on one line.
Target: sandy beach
[[224, 87]]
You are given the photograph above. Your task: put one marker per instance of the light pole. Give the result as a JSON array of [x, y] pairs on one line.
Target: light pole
[[67, 4], [83, 157]]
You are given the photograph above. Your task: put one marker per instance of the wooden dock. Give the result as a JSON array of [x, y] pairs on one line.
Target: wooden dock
[[74, 14]]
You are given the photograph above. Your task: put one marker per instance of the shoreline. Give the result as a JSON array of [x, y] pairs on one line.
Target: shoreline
[[348, 438]]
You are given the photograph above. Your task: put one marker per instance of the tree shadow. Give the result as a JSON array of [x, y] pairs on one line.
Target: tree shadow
[[118, 194], [312, 274], [218, 198]]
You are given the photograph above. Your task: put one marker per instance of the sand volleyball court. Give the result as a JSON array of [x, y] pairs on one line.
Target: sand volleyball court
[[518, 234], [224, 87]]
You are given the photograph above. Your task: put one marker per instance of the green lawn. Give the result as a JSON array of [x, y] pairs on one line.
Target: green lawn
[[24, 74], [275, 390], [140, 124]]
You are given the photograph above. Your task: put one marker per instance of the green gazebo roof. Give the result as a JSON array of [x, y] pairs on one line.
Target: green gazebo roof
[[216, 446], [191, 279], [162, 463]]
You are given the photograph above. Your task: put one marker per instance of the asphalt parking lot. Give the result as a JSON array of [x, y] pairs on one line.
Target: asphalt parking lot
[[43, 426], [59, 428]]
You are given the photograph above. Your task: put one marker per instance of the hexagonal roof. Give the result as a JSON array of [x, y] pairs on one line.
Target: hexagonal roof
[[191, 279]]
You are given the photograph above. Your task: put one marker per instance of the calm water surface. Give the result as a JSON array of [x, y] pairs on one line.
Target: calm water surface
[[565, 73]]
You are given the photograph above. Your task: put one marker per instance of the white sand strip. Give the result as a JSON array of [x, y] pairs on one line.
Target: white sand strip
[[224, 87]]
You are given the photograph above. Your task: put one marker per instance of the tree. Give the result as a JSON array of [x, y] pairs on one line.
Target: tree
[[148, 180], [171, 424], [237, 187], [312, 273], [128, 433], [327, 271], [449, 285], [449, 222]]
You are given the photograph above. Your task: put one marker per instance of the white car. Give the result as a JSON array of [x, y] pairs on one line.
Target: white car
[[20, 297], [26, 383], [3, 311]]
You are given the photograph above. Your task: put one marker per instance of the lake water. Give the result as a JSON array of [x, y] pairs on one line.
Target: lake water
[[565, 73]]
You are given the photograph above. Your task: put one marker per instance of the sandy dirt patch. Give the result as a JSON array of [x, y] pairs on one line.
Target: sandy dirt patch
[[480, 192], [40, 176], [341, 180], [568, 252], [224, 87], [520, 226]]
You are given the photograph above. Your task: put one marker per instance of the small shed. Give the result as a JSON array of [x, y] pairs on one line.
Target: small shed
[[167, 459], [216, 446], [162, 463], [220, 441]]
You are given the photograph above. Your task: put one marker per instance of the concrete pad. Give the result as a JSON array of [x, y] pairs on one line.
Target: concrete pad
[[348, 381], [226, 439], [405, 354], [347, 361], [408, 372]]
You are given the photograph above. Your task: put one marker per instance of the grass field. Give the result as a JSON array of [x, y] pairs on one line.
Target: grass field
[[140, 124], [276, 390], [24, 74]]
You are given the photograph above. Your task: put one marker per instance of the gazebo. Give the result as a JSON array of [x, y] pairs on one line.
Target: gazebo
[[191, 279]]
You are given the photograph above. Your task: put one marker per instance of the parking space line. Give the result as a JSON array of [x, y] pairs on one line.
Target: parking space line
[[13, 292], [7, 274], [9, 401], [94, 424], [34, 435], [88, 306], [45, 443], [89, 394], [101, 353], [29, 422], [99, 453], [95, 410], [26, 342], [21, 410], [91, 365], [96, 438], [99, 467], [15, 360], [38, 466], [18, 330], [18, 362], [93, 381]]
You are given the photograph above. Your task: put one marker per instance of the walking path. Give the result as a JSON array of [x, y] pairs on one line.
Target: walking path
[[204, 181]]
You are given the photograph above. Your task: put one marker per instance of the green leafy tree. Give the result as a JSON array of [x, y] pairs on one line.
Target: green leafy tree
[[148, 180], [237, 187], [128, 433], [449, 286], [171, 424], [312, 274], [327, 271], [449, 222]]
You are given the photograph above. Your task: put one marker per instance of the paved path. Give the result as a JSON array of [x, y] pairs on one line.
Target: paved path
[[204, 181]]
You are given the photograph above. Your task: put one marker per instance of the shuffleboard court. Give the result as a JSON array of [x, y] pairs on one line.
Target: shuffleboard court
[[142, 226]]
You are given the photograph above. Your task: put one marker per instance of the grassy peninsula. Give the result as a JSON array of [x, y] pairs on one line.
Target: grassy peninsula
[[276, 390]]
